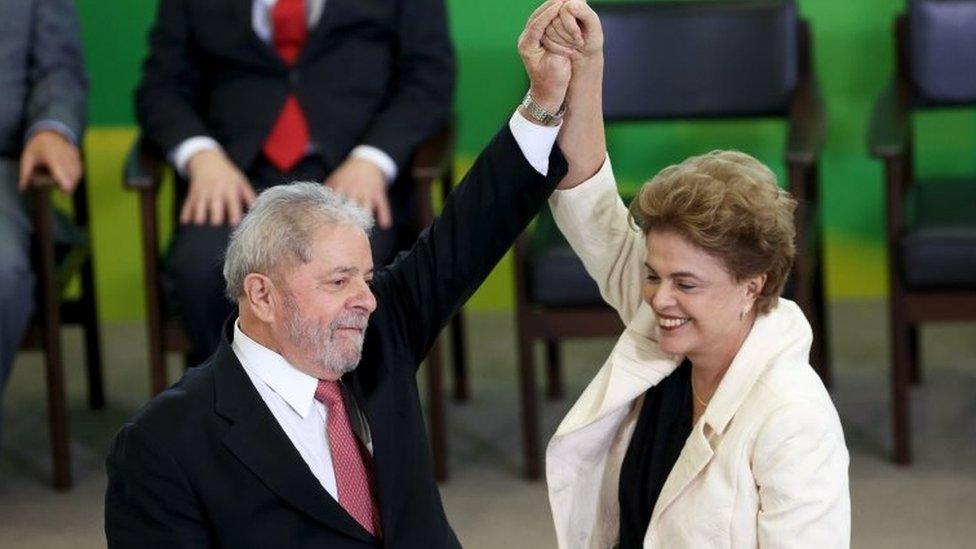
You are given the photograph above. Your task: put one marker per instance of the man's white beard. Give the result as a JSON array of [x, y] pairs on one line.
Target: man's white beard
[[318, 344]]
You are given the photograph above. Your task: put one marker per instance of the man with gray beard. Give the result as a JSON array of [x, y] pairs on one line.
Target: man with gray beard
[[320, 339], [304, 429]]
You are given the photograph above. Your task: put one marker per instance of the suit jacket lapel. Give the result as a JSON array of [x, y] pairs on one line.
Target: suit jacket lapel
[[635, 365], [695, 455], [265, 50], [576, 458], [316, 34], [263, 447], [784, 329]]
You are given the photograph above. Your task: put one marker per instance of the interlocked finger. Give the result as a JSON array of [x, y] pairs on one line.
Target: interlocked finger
[[554, 36], [535, 29]]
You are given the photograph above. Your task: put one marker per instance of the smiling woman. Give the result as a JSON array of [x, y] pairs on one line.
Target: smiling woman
[[706, 426], [727, 204], [719, 235]]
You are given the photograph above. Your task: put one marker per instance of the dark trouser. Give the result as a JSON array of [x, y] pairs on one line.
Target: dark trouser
[[196, 257], [16, 278]]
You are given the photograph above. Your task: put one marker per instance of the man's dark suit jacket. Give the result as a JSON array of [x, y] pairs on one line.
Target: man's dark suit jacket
[[372, 72], [206, 464]]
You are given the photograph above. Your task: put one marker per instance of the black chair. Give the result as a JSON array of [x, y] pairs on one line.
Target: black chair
[[683, 61], [931, 224], [61, 249], [433, 161]]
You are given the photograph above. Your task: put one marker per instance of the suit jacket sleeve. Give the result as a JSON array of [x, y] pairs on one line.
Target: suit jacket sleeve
[[597, 225], [800, 463], [58, 86], [496, 200], [168, 96], [423, 84], [149, 502]]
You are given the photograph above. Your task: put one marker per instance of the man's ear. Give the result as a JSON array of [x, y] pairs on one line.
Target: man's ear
[[258, 296]]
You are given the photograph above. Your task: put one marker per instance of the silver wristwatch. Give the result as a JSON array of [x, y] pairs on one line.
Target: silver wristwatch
[[540, 114]]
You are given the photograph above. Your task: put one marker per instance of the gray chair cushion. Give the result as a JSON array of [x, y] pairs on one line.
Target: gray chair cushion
[[698, 59], [942, 44], [557, 279], [938, 250], [556, 274]]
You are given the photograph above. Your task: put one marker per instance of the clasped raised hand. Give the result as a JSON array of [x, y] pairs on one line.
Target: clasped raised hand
[[576, 28], [547, 63]]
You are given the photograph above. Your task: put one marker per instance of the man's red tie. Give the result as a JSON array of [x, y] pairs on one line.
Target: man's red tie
[[353, 478], [288, 140]]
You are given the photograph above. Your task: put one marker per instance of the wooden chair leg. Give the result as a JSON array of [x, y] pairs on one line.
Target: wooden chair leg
[[530, 415], [93, 346], [554, 370], [914, 352], [154, 312], [459, 357], [804, 296], [821, 332], [900, 377], [807, 267], [436, 412], [157, 362], [57, 415]]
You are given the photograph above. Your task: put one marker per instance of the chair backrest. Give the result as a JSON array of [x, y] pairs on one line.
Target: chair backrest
[[941, 52], [699, 59]]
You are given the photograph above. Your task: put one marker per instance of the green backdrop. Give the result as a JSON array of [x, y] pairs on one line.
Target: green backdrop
[[853, 59]]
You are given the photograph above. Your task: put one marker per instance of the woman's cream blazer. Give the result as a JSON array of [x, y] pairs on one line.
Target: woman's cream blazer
[[765, 466]]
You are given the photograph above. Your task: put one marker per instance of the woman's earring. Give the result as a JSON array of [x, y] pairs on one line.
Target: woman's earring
[[744, 312]]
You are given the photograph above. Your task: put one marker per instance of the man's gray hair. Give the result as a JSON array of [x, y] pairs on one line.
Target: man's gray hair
[[278, 230]]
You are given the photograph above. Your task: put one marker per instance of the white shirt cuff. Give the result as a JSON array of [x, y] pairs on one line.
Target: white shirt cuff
[[181, 154], [535, 141], [378, 157]]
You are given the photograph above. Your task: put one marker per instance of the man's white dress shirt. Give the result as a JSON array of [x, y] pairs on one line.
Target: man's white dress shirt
[[290, 395]]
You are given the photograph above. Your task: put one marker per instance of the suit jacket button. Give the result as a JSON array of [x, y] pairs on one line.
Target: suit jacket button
[[293, 78]]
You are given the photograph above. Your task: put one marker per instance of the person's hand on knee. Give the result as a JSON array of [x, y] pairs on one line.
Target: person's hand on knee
[[363, 182], [219, 192], [50, 150]]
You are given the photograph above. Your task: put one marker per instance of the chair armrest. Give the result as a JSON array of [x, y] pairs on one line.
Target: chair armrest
[[808, 124], [890, 127], [434, 156], [41, 179], [143, 167]]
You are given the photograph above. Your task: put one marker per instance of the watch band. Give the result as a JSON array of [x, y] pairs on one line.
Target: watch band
[[541, 115]]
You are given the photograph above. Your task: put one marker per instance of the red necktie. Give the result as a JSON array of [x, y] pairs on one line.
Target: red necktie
[[288, 140], [353, 477]]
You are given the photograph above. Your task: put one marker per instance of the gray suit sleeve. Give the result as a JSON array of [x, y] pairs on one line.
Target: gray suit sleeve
[[58, 85]]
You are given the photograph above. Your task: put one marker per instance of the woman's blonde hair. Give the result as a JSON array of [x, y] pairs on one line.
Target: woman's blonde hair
[[728, 204]]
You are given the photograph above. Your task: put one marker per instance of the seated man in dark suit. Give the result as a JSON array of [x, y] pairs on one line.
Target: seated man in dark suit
[[305, 429], [42, 117], [242, 95]]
